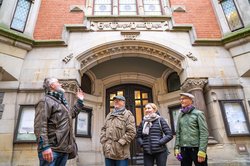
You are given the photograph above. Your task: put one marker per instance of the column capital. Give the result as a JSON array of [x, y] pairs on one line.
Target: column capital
[[191, 84], [70, 86]]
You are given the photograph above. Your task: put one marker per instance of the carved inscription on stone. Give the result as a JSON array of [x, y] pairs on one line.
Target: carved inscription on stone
[[109, 26]]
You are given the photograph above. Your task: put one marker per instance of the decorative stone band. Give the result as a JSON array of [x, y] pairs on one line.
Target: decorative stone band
[[194, 83], [146, 50], [111, 26]]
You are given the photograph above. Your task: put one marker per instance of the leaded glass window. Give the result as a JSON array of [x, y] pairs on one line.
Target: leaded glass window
[[232, 15], [1, 104], [103, 7], [173, 82], [127, 7], [1, 1], [21, 15], [152, 7]]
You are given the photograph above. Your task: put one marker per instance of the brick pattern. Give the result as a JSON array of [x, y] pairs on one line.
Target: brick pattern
[[200, 13], [53, 15]]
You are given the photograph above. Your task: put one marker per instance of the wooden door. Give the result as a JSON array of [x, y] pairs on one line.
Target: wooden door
[[137, 96]]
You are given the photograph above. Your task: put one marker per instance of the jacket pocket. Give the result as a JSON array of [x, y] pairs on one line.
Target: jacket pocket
[[118, 150]]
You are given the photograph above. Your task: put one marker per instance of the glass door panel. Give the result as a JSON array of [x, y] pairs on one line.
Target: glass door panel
[[137, 96]]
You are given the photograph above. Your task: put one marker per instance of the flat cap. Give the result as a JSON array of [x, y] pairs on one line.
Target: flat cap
[[119, 97], [187, 95]]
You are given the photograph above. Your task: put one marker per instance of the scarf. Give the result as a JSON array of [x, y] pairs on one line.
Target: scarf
[[59, 96], [118, 111], [148, 119], [187, 109]]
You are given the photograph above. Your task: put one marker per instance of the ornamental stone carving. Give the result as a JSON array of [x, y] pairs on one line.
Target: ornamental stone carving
[[145, 50], [123, 26], [194, 83], [70, 86], [130, 35]]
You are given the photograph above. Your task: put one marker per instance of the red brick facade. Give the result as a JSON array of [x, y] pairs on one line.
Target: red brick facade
[[200, 13], [55, 13]]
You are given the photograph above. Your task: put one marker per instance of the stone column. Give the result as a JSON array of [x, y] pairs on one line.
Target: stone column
[[70, 87], [195, 86]]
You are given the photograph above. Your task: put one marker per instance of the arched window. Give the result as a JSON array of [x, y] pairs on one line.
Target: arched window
[[86, 84], [173, 82]]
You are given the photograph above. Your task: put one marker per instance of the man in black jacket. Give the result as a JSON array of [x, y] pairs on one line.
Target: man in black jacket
[[53, 124]]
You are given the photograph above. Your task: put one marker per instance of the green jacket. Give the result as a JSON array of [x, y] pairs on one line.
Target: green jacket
[[192, 131]]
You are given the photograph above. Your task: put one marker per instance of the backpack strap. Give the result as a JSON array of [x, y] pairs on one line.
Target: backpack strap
[[159, 121]]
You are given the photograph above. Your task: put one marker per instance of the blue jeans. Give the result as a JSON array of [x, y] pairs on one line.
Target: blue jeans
[[111, 162], [59, 159]]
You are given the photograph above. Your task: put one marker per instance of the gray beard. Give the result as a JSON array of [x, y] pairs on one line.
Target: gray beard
[[60, 90]]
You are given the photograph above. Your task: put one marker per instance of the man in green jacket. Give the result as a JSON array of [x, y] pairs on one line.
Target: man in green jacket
[[191, 134]]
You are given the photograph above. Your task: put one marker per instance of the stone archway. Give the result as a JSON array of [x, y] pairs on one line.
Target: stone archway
[[143, 49]]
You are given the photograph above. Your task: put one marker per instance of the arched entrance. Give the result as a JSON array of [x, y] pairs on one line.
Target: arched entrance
[[137, 96], [132, 68]]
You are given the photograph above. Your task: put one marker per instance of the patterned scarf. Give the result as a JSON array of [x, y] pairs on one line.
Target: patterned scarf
[[59, 96], [148, 119], [187, 109], [118, 111]]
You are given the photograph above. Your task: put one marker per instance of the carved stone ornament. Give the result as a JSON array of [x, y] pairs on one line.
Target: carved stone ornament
[[167, 56], [130, 35], [70, 86], [191, 84], [190, 55], [123, 26]]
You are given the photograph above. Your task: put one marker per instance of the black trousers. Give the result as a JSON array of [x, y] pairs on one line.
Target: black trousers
[[160, 158], [189, 155]]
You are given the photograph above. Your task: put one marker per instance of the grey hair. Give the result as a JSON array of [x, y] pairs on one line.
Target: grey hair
[[47, 82]]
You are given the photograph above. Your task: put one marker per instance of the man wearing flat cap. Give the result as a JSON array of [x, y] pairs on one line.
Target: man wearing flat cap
[[191, 134], [117, 133]]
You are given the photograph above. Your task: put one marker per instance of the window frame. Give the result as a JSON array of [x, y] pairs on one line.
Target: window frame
[[232, 30], [88, 114], [83, 85], [173, 117], [161, 8], [19, 123], [167, 82], [226, 121], [136, 6], [26, 19], [161, 5], [1, 104], [93, 9]]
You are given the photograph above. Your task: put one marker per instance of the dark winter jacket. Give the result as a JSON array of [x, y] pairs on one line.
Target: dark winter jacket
[[156, 141], [53, 124]]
